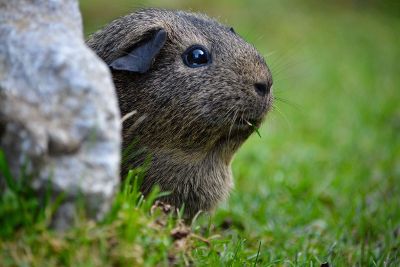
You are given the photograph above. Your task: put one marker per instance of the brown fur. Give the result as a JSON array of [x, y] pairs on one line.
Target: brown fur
[[193, 120]]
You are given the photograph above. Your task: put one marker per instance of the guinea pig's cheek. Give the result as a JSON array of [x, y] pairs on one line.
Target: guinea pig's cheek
[[206, 109], [207, 112], [181, 69]]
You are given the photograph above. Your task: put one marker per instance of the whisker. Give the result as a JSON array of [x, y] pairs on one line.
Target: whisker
[[233, 123], [289, 103], [283, 116]]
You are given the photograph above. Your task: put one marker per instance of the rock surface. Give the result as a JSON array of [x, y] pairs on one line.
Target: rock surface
[[59, 116]]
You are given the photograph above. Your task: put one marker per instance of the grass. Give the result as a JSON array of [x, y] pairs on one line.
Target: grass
[[321, 185]]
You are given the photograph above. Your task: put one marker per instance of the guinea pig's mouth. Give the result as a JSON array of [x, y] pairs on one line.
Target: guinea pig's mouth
[[242, 123], [241, 128]]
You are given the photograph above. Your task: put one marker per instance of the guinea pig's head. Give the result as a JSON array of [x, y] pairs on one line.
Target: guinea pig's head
[[197, 83]]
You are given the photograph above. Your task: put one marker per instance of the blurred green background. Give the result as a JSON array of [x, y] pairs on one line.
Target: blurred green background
[[323, 182]]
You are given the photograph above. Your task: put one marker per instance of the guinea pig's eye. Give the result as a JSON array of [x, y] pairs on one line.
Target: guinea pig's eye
[[196, 56]]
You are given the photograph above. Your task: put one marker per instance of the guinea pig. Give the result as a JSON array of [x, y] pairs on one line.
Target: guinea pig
[[198, 91]]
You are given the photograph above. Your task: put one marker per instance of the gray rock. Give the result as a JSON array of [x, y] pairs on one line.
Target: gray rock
[[59, 116]]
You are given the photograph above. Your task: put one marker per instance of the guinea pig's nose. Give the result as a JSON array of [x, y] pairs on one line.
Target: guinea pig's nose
[[262, 88]]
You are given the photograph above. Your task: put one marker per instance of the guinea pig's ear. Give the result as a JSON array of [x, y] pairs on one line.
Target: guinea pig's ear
[[140, 58]]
